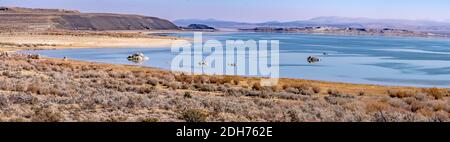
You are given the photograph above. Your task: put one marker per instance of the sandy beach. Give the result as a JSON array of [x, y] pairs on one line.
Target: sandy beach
[[60, 40]]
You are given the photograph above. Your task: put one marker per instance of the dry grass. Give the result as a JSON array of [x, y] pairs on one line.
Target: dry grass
[[57, 90]]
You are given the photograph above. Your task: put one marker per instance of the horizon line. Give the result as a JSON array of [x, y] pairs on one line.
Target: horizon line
[[308, 19], [240, 21]]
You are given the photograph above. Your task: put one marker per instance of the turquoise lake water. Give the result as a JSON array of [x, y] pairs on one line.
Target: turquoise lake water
[[397, 61]]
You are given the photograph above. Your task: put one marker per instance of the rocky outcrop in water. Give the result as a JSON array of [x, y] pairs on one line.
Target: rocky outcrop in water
[[312, 59], [138, 57]]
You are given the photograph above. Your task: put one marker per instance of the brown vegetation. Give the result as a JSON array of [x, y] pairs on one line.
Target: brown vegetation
[[41, 89]]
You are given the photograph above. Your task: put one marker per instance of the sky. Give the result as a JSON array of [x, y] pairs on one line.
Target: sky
[[255, 10]]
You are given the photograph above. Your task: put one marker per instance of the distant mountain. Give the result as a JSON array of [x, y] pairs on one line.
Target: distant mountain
[[212, 22], [414, 25]]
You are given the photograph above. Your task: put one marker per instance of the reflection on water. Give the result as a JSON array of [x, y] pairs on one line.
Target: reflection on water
[[354, 59]]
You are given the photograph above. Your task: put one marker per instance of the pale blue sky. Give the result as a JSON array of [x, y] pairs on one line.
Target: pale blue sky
[[255, 10]]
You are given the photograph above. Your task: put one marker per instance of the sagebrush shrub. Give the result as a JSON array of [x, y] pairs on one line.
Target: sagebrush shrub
[[435, 93], [401, 93], [398, 103], [174, 85], [416, 105], [150, 120], [361, 93], [288, 96], [256, 86], [205, 87], [187, 95], [48, 114], [4, 102], [194, 115]]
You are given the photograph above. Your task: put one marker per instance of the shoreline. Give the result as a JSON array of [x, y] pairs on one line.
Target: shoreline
[[144, 39], [83, 39], [56, 90], [350, 88], [282, 78]]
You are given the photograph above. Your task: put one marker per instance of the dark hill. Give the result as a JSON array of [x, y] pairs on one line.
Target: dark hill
[[26, 19]]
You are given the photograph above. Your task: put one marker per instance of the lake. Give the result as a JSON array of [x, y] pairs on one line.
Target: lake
[[396, 61]]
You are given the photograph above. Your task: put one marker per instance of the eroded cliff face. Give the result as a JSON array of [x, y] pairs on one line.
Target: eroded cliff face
[[112, 22], [26, 19]]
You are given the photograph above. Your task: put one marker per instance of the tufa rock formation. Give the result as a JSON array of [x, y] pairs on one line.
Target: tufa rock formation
[[138, 57], [312, 59]]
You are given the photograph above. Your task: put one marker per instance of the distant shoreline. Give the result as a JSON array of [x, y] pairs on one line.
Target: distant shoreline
[[120, 39], [349, 31]]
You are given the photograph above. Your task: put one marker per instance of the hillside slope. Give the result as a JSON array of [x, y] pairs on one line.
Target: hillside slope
[[26, 19]]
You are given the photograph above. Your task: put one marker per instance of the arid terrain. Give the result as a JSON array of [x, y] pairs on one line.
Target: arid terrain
[[33, 28], [34, 88], [42, 89], [28, 19]]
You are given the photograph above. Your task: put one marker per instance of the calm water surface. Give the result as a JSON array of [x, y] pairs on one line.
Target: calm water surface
[[395, 61]]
